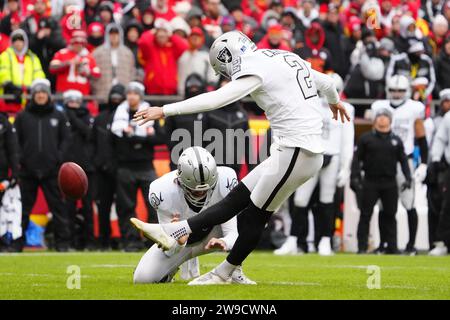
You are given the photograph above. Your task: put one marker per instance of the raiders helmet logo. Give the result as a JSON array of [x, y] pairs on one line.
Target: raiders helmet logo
[[225, 56], [155, 201]]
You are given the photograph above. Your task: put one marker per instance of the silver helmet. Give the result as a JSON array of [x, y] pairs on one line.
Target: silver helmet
[[197, 175], [226, 49], [398, 89]]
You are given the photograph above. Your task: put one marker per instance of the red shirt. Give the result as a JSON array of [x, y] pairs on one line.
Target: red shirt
[[160, 63], [71, 77]]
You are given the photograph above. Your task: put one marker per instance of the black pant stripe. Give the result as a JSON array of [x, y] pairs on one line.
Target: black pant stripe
[[283, 180]]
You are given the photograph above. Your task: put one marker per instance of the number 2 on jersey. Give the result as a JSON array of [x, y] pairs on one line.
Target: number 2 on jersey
[[304, 80]]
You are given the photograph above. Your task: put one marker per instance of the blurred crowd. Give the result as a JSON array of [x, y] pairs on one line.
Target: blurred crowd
[[99, 59]]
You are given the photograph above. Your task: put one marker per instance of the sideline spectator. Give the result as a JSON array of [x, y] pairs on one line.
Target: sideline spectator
[[212, 19], [19, 67], [438, 34], [106, 164], [195, 60], [443, 66], [242, 22], [43, 133], [134, 151], [159, 51], [46, 41], [307, 12], [333, 40], [12, 20], [95, 36], [274, 39], [162, 9], [31, 23], [91, 11], [9, 162], [115, 61], [313, 50], [133, 31], [74, 66], [80, 150], [106, 13]]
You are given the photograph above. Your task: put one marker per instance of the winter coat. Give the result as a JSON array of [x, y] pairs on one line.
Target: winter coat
[[160, 63]]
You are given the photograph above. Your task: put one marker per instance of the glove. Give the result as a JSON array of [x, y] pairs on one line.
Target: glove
[[406, 185], [421, 172], [356, 185], [14, 90], [342, 177]]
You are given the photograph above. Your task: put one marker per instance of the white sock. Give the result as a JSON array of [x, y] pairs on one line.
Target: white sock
[[225, 269], [177, 229]]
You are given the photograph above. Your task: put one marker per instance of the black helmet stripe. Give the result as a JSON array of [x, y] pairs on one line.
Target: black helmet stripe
[[200, 165]]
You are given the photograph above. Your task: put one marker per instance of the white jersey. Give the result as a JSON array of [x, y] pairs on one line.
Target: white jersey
[[403, 119], [288, 96], [167, 197], [335, 133]]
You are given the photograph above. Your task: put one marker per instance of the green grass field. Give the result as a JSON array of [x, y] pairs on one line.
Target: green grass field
[[344, 276]]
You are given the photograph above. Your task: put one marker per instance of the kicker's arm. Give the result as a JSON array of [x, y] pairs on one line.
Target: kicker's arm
[[229, 93]]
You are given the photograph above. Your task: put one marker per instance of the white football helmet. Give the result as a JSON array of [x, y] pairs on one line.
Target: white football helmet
[[398, 89], [226, 49], [197, 175]]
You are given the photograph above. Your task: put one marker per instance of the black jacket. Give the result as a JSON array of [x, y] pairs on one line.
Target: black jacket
[[43, 133], [378, 154], [442, 70], [136, 152], [46, 47], [334, 43], [230, 117], [80, 148], [9, 148]]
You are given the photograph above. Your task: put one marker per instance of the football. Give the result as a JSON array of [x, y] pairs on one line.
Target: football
[[72, 181]]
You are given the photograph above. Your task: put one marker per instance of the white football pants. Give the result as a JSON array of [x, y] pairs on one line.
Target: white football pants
[[327, 177], [155, 265], [276, 178]]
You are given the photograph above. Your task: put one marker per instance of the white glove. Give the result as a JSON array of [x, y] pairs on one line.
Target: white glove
[[342, 177], [421, 172]]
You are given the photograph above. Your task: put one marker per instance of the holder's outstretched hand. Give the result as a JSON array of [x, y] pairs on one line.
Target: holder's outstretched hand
[[148, 114]]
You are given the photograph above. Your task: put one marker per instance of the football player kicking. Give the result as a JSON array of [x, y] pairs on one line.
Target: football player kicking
[[285, 87], [179, 195], [408, 124]]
